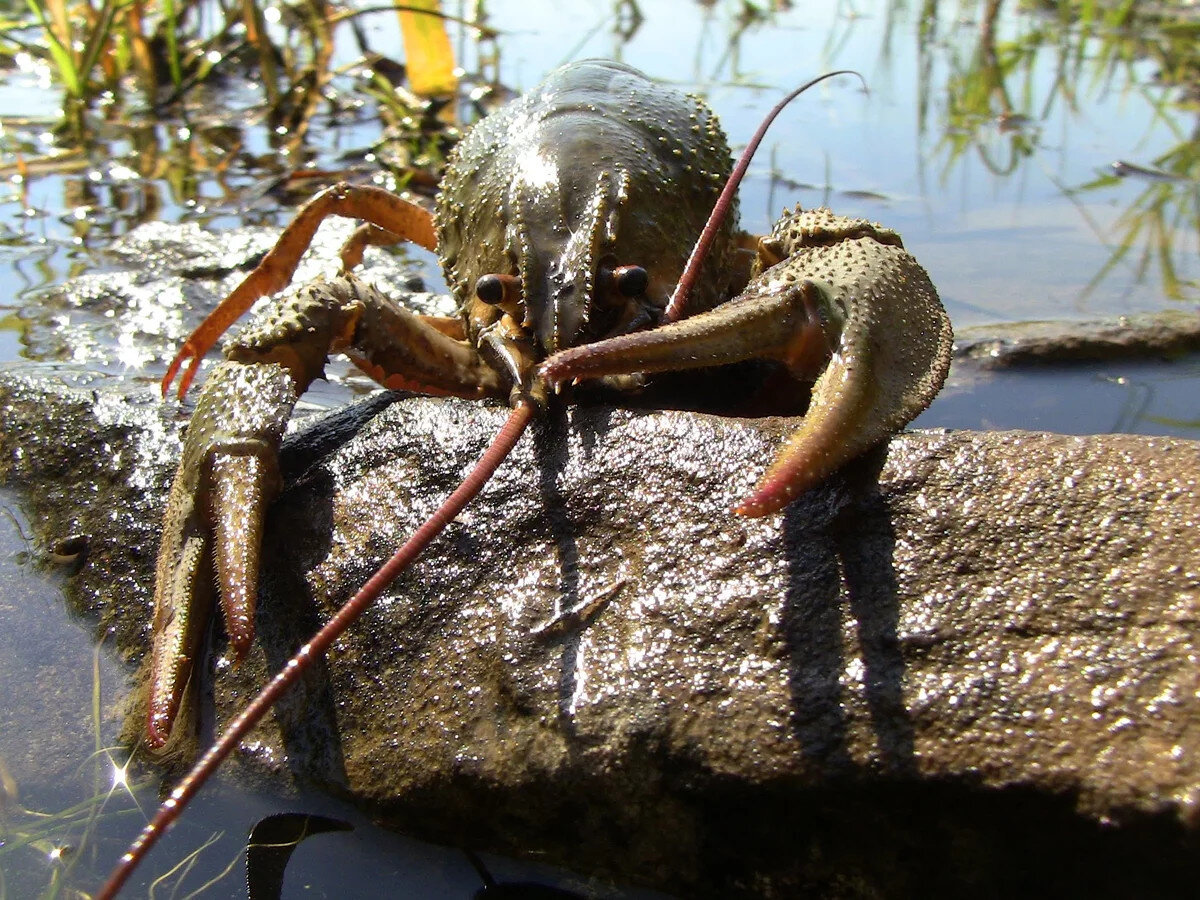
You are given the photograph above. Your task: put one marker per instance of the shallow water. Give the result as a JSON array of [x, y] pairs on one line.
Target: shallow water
[[990, 151]]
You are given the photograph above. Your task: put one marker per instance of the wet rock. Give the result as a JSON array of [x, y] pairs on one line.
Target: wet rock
[[89, 455], [1163, 334], [970, 669], [143, 295]]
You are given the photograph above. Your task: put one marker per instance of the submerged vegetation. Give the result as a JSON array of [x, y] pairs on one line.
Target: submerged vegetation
[[146, 62], [163, 50]]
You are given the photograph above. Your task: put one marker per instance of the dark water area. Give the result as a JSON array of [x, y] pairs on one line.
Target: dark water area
[[1121, 397], [988, 140]]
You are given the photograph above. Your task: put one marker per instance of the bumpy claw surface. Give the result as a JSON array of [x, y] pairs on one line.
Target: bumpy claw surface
[[228, 473], [214, 517], [837, 299], [889, 360]]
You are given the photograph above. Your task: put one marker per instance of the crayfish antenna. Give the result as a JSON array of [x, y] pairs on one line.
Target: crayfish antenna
[[179, 798], [691, 271]]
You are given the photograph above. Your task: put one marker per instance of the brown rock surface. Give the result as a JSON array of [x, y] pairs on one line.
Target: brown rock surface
[[1169, 333], [977, 672]]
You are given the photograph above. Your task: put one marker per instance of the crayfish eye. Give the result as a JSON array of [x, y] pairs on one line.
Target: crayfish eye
[[494, 289], [631, 281]]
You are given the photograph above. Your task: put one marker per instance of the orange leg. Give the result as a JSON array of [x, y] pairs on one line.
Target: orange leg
[[365, 236], [392, 214]]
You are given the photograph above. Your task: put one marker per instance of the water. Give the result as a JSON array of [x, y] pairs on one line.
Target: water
[[990, 150], [69, 805]]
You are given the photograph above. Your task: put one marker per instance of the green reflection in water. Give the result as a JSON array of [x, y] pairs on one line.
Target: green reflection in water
[[997, 96]]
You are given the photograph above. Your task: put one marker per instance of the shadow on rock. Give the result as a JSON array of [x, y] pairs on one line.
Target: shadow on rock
[[841, 620]]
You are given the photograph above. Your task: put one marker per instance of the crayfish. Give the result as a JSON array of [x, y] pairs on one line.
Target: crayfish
[[571, 226]]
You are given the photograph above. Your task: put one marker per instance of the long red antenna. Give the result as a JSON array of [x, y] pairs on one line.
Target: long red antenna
[[691, 271], [171, 808]]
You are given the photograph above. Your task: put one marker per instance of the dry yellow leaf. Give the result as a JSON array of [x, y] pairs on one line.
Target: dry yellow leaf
[[427, 50]]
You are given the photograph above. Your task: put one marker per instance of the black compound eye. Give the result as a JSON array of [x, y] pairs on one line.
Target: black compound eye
[[494, 289], [490, 289], [631, 281]]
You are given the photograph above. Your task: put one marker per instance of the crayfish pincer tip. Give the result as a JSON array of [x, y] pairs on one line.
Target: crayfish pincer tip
[[185, 353], [157, 734], [761, 503], [241, 649], [173, 369]]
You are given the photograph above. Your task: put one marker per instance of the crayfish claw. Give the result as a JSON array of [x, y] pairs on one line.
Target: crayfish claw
[[182, 603], [214, 521], [242, 487], [846, 307], [888, 349]]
